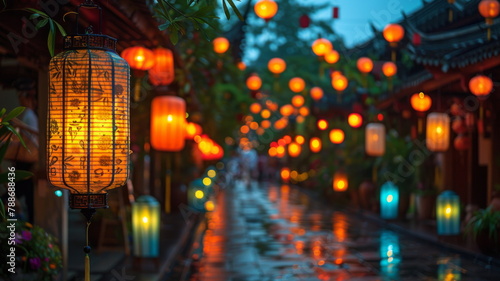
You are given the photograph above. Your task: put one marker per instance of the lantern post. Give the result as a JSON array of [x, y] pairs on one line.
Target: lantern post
[[448, 213], [88, 121]]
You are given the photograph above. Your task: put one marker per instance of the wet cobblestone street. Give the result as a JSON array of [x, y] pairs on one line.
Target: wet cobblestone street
[[273, 232]]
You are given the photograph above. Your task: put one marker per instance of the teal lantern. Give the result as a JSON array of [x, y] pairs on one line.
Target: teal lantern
[[389, 200], [448, 213], [146, 227], [198, 193]]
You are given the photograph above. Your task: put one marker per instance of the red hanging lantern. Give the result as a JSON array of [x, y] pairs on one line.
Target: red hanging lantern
[[139, 58], [304, 21], [266, 9], [316, 93], [389, 69], [321, 46], [420, 102], [192, 130], [462, 142], [162, 72], [481, 86], [168, 123], [332, 57], [364, 64], [220, 44]]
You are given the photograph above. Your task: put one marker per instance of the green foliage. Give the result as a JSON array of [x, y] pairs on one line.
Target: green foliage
[[44, 19], [485, 221]]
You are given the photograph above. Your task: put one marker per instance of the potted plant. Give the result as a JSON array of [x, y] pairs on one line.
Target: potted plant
[[483, 227]]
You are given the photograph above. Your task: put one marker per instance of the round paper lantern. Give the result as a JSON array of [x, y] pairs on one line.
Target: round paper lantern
[[88, 120], [315, 144], [162, 73], [420, 102], [489, 9], [332, 57], [304, 111], [364, 64], [438, 132], [276, 65], [355, 120], [481, 86], [340, 82], [221, 45], [316, 93], [336, 136], [322, 124], [241, 65], [294, 149], [254, 82], [265, 113], [300, 139], [285, 174], [448, 213], [287, 110], [168, 123], [375, 139], [255, 108], [393, 33], [389, 69], [298, 100], [340, 181], [266, 9], [296, 84], [462, 142], [321, 46], [139, 58], [192, 130]]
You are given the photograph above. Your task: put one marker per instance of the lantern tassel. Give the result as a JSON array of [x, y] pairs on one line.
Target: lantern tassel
[[450, 15], [393, 56], [87, 267], [137, 90]]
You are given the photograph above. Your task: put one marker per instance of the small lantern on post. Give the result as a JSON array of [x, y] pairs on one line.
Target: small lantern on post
[[389, 200], [294, 149], [438, 132], [266, 9], [420, 102], [315, 144], [375, 139], [489, 9], [355, 120], [340, 181], [336, 136], [365, 65], [393, 33], [197, 195], [339, 83], [146, 227], [481, 86], [254, 82], [296, 84], [448, 213], [316, 93], [221, 45], [389, 69]]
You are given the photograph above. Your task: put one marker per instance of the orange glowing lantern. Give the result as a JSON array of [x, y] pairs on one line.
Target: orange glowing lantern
[[375, 139], [162, 72], [265, 113], [332, 57], [420, 102], [364, 64], [287, 110], [316, 93], [192, 130], [340, 82], [389, 69], [315, 144], [265, 124], [255, 108], [266, 9], [296, 84], [321, 46], [304, 111], [276, 65], [438, 132], [168, 123], [254, 82], [355, 120], [336, 136], [244, 129], [221, 45], [139, 58], [280, 124], [210, 150], [322, 124], [300, 139], [285, 174], [294, 149], [241, 65], [340, 182], [393, 33], [489, 9], [481, 86], [298, 100]]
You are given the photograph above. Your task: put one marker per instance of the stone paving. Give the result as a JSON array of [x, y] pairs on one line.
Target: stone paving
[[271, 232]]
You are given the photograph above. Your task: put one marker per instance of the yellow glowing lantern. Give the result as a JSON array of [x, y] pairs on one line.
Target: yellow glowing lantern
[[420, 102], [287, 110], [355, 120], [389, 69], [489, 9], [298, 100], [321, 46], [316, 93], [276, 65], [336, 136], [255, 108], [315, 144], [438, 131], [339, 82], [254, 82], [146, 226], [266, 9], [364, 64], [192, 130], [88, 120], [162, 72], [168, 123], [375, 139], [304, 111], [296, 84], [340, 181], [332, 57], [300, 139], [139, 58], [322, 124], [481, 86], [294, 149], [265, 113], [221, 45]]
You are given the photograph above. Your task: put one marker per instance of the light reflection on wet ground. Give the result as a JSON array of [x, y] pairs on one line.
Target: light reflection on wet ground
[[278, 233]]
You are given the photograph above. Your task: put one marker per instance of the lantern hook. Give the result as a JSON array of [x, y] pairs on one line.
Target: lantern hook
[[90, 5]]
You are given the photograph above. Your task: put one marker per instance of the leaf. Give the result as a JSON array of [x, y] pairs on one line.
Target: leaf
[[35, 15], [20, 175], [2, 112], [14, 113], [41, 23], [61, 29], [3, 148], [235, 9], [51, 40], [174, 36], [226, 10], [35, 11], [164, 26]]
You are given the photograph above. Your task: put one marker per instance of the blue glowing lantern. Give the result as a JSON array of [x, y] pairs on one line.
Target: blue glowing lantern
[[146, 227], [389, 200], [448, 213], [198, 193]]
